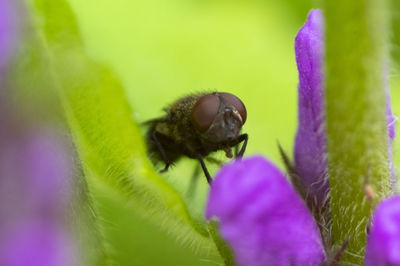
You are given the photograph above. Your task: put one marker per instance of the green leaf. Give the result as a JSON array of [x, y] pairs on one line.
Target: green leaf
[[356, 35], [125, 189]]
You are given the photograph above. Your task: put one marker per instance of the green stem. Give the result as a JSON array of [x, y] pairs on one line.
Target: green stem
[[356, 121]]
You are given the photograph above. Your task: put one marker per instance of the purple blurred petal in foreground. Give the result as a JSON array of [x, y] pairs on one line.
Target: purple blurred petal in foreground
[[261, 216], [36, 244], [310, 147], [35, 174], [35, 171], [383, 246], [8, 30], [47, 169]]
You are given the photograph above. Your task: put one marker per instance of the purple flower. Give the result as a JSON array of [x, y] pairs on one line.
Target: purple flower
[[310, 147], [383, 246], [47, 162], [8, 30], [36, 243], [310, 153], [36, 183], [262, 217], [35, 176]]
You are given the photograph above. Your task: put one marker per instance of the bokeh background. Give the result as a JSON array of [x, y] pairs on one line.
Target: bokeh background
[[160, 51]]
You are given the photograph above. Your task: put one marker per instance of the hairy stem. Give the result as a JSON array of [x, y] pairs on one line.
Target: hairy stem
[[356, 121]]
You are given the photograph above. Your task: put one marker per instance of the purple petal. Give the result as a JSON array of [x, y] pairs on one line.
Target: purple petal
[[261, 216], [36, 170], [35, 179], [35, 183], [310, 147], [37, 243], [383, 246], [8, 30], [47, 167]]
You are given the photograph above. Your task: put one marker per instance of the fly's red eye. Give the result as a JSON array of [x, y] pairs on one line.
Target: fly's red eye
[[205, 111], [235, 102]]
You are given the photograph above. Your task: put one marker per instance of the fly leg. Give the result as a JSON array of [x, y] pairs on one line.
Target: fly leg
[[192, 184], [197, 171], [207, 174], [245, 138], [155, 136]]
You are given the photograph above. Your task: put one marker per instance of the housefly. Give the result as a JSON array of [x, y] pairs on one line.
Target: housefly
[[195, 126]]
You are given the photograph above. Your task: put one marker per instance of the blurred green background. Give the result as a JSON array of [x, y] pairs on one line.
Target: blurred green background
[[162, 50]]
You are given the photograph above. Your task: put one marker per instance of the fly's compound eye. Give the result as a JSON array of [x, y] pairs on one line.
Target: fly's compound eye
[[235, 102], [204, 111]]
